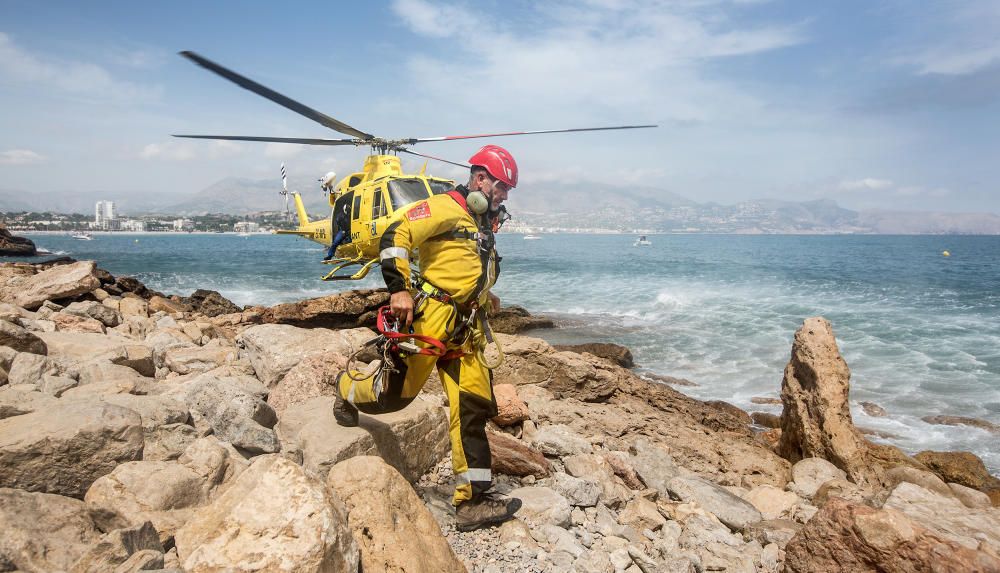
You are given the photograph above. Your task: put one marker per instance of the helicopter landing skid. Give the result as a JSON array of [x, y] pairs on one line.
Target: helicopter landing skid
[[344, 263]]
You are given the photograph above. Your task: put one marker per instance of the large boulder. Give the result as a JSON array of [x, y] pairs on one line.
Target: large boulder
[[395, 531], [816, 418], [273, 349], [963, 468], [210, 303], [542, 505], [811, 473], [95, 310], [410, 440], [163, 491], [188, 359], [946, 516], [117, 547], [847, 537], [314, 376], [14, 246], [235, 414], [42, 532], [514, 319], [616, 353], [59, 282], [731, 510], [16, 337], [511, 409], [514, 457], [20, 399], [64, 448], [342, 310], [565, 374], [273, 517]]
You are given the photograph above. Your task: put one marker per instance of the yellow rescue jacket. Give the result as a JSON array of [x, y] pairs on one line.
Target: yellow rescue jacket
[[456, 256]]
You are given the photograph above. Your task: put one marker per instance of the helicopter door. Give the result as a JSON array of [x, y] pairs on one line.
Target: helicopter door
[[342, 216]]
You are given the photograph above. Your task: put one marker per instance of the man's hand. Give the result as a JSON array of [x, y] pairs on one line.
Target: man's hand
[[401, 304], [494, 303]]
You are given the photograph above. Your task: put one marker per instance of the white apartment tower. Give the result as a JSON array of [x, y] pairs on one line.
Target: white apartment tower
[[104, 213]]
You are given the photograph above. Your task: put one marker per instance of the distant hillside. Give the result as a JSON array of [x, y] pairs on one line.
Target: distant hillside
[[237, 196], [916, 222], [578, 198]]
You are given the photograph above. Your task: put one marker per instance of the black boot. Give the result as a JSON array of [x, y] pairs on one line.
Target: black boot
[[485, 510], [345, 413]]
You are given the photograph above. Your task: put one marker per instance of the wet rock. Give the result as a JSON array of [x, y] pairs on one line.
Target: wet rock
[[962, 421], [64, 448], [510, 406], [670, 380], [735, 412], [349, 309], [16, 337], [816, 420], [60, 282], [514, 457], [273, 517], [963, 468], [210, 303], [42, 532], [515, 319], [874, 410], [14, 246], [850, 537], [616, 353], [393, 529], [730, 509], [134, 286], [766, 420]]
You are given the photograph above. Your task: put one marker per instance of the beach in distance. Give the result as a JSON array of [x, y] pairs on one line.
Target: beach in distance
[[918, 329]]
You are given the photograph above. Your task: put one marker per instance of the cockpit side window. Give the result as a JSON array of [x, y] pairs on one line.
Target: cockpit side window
[[402, 192], [439, 187], [378, 206]]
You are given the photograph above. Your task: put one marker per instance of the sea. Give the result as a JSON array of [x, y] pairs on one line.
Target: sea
[[920, 330]]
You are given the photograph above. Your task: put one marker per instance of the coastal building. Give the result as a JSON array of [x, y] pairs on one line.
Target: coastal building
[[132, 226], [104, 214], [183, 225], [246, 227]]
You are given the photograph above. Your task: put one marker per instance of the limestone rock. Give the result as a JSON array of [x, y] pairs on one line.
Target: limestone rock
[[210, 303], [510, 406], [273, 517], [559, 440], [595, 467], [963, 421], [542, 505], [392, 527], [29, 368], [273, 349], [117, 547], [159, 303], [840, 488], [315, 375], [816, 418], [621, 465], [235, 414], [565, 374], [186, 359], [640, 513], [771, 502], [963, 468], [946, 516], [42, 532], [138, 357], [846, 537], [95, 310], [515, 319], [20, 399], [777, 531], [167, 442], [578, 491], [14, 246], [970, 497], [67, 446], [809, 474], [131, 306], [926, 480], [874, 410], [514, 457], [57, 282], [730, 509], [410, 440], [765, 420], [342, 310], [653, 465], [616, 353], [16, 337]]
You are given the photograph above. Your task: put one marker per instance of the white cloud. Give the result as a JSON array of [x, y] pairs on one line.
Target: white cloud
[[68, 77], [437, 21], [866, 184], [20, 157], [954, 39], [176, 150]]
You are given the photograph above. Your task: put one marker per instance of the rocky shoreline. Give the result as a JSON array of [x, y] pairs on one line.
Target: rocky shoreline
[[140, 431]]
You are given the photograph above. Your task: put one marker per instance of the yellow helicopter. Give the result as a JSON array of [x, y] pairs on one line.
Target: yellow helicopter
[[365, 203]]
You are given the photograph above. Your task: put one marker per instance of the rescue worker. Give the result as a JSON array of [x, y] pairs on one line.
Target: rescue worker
[[447, 302]]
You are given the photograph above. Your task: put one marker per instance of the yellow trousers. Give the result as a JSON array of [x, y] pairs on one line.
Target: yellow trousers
[[467, 383]]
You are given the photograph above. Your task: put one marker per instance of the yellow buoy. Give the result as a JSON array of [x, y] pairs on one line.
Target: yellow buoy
[[946, 253]]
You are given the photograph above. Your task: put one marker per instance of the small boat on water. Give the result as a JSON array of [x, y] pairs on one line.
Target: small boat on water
[[82, 236], [642, 241], [530, 237]]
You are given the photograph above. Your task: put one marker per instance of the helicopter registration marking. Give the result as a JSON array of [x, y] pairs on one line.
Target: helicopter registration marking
[[421, 211]]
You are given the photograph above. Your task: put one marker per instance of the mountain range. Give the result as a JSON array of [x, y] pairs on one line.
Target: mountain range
[[549, 205]]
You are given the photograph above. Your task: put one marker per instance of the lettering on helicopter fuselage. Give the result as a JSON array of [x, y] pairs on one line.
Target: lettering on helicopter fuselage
[[374, 227], [355, 236]]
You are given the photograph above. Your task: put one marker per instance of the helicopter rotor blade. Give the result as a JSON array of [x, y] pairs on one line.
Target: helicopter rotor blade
[[454, 137], [285, 101], [299, 140], [432, 157]]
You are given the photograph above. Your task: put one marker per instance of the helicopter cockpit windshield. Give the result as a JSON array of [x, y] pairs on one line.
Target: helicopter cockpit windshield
[[402, 192]]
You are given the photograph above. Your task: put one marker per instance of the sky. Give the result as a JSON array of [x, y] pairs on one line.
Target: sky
[[875, 104]]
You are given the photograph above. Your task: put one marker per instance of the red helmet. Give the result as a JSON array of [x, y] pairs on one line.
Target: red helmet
[[497, 162]]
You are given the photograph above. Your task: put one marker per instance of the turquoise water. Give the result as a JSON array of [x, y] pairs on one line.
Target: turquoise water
[[920, 331]]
